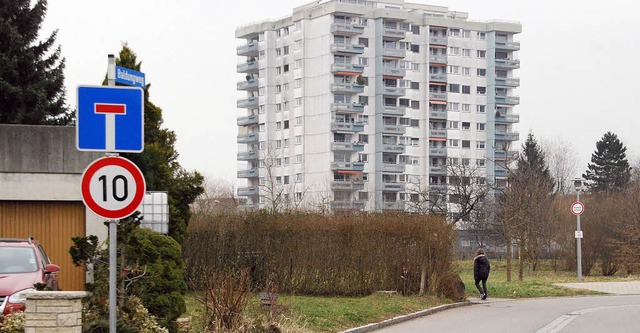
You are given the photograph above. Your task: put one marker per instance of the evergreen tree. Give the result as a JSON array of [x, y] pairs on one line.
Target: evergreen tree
[[159, 160], [31, 72], [533, 161], [609, 169]]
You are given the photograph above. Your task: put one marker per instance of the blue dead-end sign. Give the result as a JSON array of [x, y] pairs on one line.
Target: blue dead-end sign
[[110, 119]]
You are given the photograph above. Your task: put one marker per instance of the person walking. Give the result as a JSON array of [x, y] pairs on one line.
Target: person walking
[[481, 269]]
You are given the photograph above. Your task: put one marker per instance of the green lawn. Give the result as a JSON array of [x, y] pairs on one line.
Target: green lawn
[[333, 314]]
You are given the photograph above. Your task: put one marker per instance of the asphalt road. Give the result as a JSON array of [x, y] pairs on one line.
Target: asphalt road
[[610, 313]]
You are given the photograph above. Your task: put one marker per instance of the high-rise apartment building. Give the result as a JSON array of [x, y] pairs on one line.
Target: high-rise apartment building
[[368, 105]]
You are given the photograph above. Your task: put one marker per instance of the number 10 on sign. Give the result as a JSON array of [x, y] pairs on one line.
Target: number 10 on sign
[[113, 187]]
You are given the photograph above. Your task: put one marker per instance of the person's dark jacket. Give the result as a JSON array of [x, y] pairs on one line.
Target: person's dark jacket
[[481, 267]]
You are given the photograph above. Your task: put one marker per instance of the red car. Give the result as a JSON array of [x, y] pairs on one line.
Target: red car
[[23, 263]]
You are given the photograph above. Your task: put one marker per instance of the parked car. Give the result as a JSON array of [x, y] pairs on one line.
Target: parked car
[[23, 263]]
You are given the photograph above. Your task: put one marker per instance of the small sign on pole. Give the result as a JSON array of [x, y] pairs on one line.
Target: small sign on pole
[[577, 208]]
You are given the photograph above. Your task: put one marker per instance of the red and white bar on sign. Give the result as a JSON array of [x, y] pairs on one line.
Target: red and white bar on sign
[[110, 111]]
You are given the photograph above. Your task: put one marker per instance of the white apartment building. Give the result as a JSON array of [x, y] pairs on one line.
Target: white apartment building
[[365, 105]]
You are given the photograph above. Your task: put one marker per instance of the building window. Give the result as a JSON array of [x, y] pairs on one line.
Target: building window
[[363, 158], [298, 196], [482, 35], [480, 162], [278, 52], [466, 71], [285, 50], [415, 48], [453, 143], [363, 41], [297, 44], [481, 90], [286, 180], [278, 126], [262, 127], [415, 67], [298, 101], [466, 34], [298, 121], [481, 108], [278, 89], [297, 63], [466, 144], [454, 88], [466, 90], [481, 54], [278, 143], [466, 53], [465, 161], [452, 106], [278, 180], [298, 139], [415, 122], [262, 146], [278, 70], [363, 138], [278, 107], [415, 105], [298, 159], [480, 144], [453, 125], [453, 69], [480, 126], [466, 125], [298, 178], [286, 143], [454, 51], [454, 32], [466, 107], [285, 68], [297, 83], [481, 72], [415, 85]]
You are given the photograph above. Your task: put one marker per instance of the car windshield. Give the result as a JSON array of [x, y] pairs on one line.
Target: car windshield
[[17, 260]]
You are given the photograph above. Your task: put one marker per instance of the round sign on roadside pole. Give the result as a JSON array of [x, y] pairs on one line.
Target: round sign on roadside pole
[[577, 208], [113, 187]]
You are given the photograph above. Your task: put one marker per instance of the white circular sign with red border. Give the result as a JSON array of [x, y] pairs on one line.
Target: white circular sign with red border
[[113, 187], [577, 208]]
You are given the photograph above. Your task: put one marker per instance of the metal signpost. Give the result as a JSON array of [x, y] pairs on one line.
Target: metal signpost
[[577, 208], [111, 119]]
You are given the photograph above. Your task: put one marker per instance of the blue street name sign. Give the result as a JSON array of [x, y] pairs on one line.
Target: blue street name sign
[[110, 119], [129, 77]]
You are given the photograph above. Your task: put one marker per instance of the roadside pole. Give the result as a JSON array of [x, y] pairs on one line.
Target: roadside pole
[[113, 226]]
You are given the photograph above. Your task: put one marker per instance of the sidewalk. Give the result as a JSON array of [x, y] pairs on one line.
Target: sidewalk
[[617, 288]]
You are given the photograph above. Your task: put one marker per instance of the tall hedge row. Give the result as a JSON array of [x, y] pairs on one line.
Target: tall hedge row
[[305, 253]]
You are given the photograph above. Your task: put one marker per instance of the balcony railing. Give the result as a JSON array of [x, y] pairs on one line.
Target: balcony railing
[[347, 68], [508, 64], [510, 154], [399, 72], [508, 118], [510, 46], [347, 127], [251, 84], [507, 136], [393, 186], [247, 156], [393, 205], [394, 53], [347, 107], [351, 166], [511, 100], [347, 48], [395, 110], [248, 191], [512, 82], [347, 29], [501, 172], [248, 49], [441, 96], [437, 133], [394, 129], [393, 148], [248, 138], [250, 173], [249, 120], [438, 77], [394, 91], [353, 205], [248, 67], [438, 115], [440, 59], [349, 88], [347, 146], [437, 152], [439, 169], [393, 167], [438, 40], [393, 33], [347, 185], [248, 102]]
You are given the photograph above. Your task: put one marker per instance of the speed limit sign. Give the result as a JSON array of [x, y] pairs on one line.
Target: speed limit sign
[[113, 187]]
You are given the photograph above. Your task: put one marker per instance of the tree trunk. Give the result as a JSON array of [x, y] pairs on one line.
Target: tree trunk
[[508, 254], [520, 260], [423, 279]]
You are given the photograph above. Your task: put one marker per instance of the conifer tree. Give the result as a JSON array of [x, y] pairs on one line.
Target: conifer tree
[[609, 169], [31, 70]]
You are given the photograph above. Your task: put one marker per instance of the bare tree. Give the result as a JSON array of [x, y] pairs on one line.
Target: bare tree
[[563, 163], [218, 196]]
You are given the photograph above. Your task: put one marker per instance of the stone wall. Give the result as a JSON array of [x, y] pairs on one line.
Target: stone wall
[[54, 311]]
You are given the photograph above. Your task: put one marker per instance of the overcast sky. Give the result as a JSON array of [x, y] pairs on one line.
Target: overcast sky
[[579, 65]]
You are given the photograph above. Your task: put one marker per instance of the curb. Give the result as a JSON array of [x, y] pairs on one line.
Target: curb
[[403, 318]]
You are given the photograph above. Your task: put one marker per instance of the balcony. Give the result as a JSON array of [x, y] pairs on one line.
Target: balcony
[[347, 29], [393, 148], [248, 67], [251, 84], [250, 120], [440, 59], [347, 69], [508, 118], [438, 115], [394, 53], [248, 138], [349, 166], [440, 96], [350, 205], [393, 167], [397, 72], [347, 127], [347, 146], [347, 48], [249, 49], [433, 133], [393, 205], [437, 152], [438, 169], [507, 64], [507, 136], [502, 172], [394, 129], [394, 91], [394, 110], [250, 173], [503, 155], [511, 82], [347, 185], [393, 33], [247, 156], [347, 107], [510, 100], [505, 45], [249, 207], [438, 77], [248, 102], [347, 88], [438, 40], [393, 187], [437, 187], [248, 191]]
